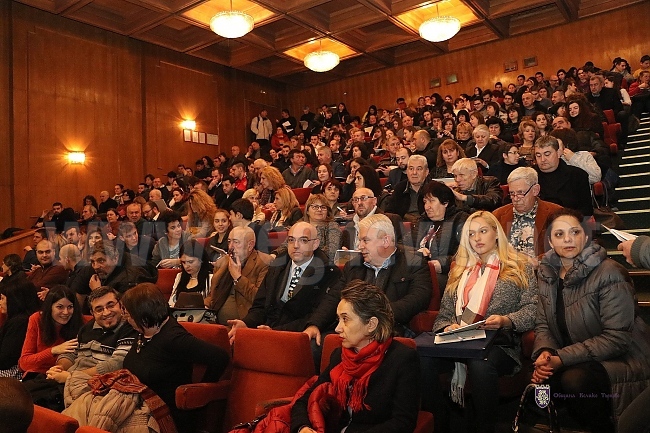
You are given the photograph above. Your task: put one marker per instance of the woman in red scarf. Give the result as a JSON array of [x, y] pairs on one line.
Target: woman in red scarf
[[373, 379]]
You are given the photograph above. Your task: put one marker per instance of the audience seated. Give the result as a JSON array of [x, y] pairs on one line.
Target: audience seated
[[49, 272], [50, 332], [474, 192], [196, 272], [437, 234], [489, 281], [404, 200], [586, 303], [372, 379], [237, 276], [294, 287], [400, 272], [559, 182], [524, 220], [252, 289]]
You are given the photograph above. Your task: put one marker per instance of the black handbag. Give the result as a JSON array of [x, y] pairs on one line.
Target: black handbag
[[543, 400]]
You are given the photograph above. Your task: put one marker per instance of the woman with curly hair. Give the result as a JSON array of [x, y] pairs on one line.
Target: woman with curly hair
[[527, 137], [271, 180], [200, 212]]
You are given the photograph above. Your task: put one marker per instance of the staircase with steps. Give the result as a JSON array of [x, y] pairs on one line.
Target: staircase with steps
[[633, 203]]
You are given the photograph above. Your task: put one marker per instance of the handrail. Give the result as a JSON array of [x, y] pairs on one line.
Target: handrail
[[16, 243]]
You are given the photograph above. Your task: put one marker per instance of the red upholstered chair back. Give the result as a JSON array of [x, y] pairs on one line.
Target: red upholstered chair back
[[166, 279], [266, 365], [333, 341], [302, 194], [276, 239], [46, 420], [505, 190], [213, 334]]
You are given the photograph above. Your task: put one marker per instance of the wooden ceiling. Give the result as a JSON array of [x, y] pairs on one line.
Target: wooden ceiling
[[367, 34]]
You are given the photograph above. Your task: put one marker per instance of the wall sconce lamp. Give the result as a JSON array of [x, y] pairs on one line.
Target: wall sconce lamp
[[76, 157], [188, 124]]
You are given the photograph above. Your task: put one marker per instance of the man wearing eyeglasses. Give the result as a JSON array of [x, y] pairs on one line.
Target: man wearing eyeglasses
[[479, 105], [365, 204], [293, 288], [102, 344], [524, 220]]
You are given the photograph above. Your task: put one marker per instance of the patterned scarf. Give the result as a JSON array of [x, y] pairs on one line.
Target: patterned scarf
[[474, 293], [354, 373]]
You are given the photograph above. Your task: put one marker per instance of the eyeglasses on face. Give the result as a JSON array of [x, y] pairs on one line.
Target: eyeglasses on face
[[515, 194], [303, 240], [360, 198], [319, 207]]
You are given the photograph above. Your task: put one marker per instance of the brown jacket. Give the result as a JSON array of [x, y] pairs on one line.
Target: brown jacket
[[505, 215], [252, 275]]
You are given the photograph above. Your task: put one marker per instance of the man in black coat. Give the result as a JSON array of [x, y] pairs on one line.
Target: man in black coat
[[227, 194], [604, 98], [401, 273], [559, 182], [293, 288]]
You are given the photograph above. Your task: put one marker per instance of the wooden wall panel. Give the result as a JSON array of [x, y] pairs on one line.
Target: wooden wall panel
[[68, 97], [600, 39], [6, 136], [76, 87]]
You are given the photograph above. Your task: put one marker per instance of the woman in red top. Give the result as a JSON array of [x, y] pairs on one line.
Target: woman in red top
[[51, 331], [278, 139]]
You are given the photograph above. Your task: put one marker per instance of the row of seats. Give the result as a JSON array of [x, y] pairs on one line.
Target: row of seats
[[250, 381]]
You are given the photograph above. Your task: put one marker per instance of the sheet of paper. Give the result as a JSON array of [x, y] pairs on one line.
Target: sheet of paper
[[464, 328], [621, 235], [472, 334]]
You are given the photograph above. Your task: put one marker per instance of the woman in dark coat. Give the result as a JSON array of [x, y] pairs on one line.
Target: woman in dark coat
[[588, 338], [439, 230]]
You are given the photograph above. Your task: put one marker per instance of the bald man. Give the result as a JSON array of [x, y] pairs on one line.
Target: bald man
[[16, 406], [49, 273], [294, 286], [237, 276]]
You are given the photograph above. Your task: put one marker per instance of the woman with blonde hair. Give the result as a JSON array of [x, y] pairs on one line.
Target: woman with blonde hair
[[464, 134], [448, 153], [254, 197], [200, 212], [287, 210], [490, 281], [271, 180]]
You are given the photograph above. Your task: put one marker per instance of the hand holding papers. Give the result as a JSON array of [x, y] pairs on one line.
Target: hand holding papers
[[621, 235], [464, 333]]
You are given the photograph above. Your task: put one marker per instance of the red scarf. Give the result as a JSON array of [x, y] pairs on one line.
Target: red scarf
[[355, 369]]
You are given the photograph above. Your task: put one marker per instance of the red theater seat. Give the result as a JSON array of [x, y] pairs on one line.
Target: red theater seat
[[48, 421], [166, 279]]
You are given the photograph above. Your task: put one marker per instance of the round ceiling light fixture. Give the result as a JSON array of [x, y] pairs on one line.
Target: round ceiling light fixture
[[321, 60], [439, 28], [232, 24]]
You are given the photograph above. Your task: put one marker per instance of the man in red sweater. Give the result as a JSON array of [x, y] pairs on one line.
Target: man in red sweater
[[49, 273]]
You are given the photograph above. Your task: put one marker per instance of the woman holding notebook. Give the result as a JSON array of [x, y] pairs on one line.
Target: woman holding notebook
[[490, 281]]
